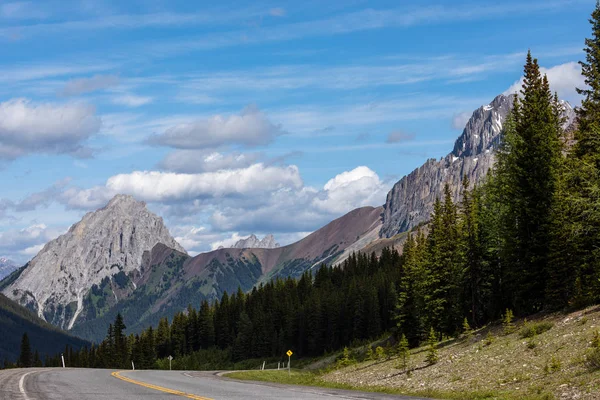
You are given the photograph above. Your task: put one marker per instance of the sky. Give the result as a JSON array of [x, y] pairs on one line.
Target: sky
[[248, 117]]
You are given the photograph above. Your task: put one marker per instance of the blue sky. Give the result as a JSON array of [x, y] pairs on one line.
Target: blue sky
[[249, 117]]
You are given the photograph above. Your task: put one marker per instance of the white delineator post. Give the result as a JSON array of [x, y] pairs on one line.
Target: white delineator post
[[63, 359], [170, 359], [132, 365]]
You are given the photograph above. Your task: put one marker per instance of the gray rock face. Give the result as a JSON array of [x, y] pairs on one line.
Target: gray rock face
[[102, 244], [252, 242], [6, 267], [411, 200]]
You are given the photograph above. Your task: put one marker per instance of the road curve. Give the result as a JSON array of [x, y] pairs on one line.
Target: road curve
[[101, 384]]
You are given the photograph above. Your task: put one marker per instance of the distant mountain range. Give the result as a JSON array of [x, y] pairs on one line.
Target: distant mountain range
[[252, 242], [6, 267], [122, 258]]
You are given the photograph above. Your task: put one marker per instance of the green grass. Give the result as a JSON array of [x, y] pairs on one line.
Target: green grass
[[306, 378], [531, 329]]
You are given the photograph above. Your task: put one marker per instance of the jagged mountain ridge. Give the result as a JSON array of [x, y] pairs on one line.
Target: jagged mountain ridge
[[168, 280], [410, 202], [104, 243], [252, 242]]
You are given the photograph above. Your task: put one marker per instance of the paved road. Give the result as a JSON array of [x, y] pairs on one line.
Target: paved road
[[101, 384]]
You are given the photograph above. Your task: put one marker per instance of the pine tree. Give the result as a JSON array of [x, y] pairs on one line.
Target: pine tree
[[403, 353], [528, 167], [576, 256], [120, 342], [432, 354], [25, 357]]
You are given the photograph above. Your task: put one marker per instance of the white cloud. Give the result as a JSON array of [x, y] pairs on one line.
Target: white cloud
[[459, 121], [193, 161], [250, 128], [131, 100], [399, 137], [26, 127], [84, 85], [26, 241], [563, 78], [155, 186], [351, 189]]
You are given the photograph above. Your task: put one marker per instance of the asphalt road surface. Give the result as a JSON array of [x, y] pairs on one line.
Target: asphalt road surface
[[102, 384]]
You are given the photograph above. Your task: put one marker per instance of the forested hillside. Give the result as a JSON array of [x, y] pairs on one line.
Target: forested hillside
[[44, 338]]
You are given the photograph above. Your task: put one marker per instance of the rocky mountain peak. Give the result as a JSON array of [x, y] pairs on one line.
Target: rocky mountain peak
[[483, 128], [410, 201], [252, 242], [104, 243]]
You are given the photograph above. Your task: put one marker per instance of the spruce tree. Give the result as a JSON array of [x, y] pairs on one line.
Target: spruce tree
[[528, 165], [25, 357], [576, 277]]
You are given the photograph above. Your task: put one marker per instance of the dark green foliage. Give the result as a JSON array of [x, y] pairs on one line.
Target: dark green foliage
[[575, 278], [43, 337], [25, 356]]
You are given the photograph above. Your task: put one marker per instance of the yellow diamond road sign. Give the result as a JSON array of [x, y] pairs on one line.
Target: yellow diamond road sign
[[289, 353]]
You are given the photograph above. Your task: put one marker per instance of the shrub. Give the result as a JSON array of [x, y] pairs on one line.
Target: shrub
[[507, 322], [532, 329], [370, 354], [554, 364], [467, 331], [489, 339], [345, 360], [593, 359], [380, 353]]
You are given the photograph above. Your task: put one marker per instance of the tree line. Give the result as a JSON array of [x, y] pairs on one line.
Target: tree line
[[523, 241]]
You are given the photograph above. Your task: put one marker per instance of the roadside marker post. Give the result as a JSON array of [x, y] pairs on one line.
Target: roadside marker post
[[170, 359], [62, 356], [289, 354], [132, 365]]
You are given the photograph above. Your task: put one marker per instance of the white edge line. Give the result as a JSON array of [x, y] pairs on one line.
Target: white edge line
[[22, 385]]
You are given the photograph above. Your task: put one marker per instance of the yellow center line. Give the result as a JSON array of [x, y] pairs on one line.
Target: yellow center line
[[159, 388]]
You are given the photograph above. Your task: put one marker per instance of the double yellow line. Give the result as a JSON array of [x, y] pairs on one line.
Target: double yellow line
[[159, 388]]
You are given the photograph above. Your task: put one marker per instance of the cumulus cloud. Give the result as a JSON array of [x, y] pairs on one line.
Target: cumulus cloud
[[399, 136], [26, 127], [131, 100], [351, 189], [156, 186], [193, 161], [251, 127], [21, 244], [78, 86], [459, 121], [563, 78]]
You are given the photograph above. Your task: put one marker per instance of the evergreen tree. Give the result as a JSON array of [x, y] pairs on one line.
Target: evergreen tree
[[528, 166], [576, 256], [25, 357]]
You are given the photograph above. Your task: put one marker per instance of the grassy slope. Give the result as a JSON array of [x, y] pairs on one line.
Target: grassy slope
[[16, 320], [508, 368]]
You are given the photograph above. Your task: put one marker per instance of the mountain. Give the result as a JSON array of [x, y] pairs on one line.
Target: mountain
[[45, 338], [168, 280], [252, 242], [410, 202], [6, 267], [105, 244]]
